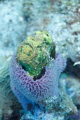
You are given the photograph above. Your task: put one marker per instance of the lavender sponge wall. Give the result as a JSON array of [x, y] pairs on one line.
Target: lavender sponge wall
[[35, 90]]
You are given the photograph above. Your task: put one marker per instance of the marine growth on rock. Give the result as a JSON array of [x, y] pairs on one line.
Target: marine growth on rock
[[22, 79]]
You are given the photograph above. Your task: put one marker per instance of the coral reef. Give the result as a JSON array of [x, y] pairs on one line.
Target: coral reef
[[72, 85], [13, 26], [8, 102], [36, 52], [61, 19], [54, 108], [24, 87], [41, 88], [73, 89]]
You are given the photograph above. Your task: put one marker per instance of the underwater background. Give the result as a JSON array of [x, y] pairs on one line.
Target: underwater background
[[39, 60]]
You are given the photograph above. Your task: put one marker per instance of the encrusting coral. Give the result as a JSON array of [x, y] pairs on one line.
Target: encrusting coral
[[26, 89]]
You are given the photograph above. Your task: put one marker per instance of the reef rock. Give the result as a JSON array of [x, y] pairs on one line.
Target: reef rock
[[53, 108], [8, 102]]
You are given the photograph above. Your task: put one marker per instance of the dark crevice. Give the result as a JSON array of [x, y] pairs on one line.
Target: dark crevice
[[40, 75]]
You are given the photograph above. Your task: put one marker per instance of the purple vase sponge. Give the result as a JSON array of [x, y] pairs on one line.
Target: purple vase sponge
[[24, 87]]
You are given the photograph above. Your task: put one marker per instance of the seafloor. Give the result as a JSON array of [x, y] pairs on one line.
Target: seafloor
[[61, 18]]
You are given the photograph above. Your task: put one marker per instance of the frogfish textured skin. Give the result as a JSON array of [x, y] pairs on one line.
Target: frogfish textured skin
[[25, 88], [36, 52]]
